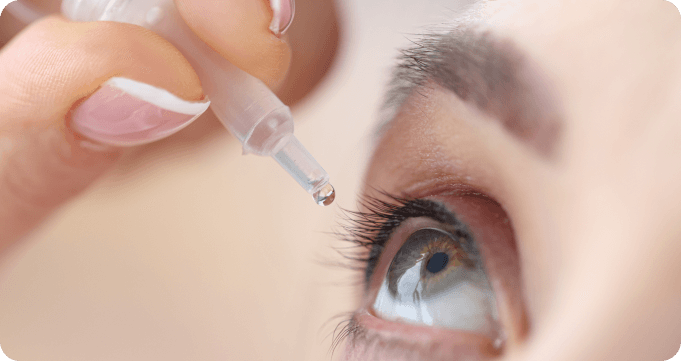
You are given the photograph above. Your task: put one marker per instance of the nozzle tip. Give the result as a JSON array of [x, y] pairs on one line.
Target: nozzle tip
[[325, 196]]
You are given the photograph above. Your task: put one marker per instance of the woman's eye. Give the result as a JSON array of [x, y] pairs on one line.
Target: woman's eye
[[437, 279], [441, 276]]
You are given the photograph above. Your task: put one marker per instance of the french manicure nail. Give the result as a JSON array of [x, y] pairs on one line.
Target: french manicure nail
[[283, 11], [125, 112]]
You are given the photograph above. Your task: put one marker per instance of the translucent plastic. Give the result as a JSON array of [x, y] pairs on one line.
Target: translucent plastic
[[304, 168], [244, 105]]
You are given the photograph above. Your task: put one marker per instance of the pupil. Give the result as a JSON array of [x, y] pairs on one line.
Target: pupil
[[437, 262]]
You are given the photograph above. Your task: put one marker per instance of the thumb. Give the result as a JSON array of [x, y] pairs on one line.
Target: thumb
[[65, 89], [245, 32]]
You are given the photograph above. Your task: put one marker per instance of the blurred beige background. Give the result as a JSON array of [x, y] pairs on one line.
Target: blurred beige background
[[200, 253]]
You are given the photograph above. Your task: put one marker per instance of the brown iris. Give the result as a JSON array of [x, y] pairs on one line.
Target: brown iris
[[439, 253]]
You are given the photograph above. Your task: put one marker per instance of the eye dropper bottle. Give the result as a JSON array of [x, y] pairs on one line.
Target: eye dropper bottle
[[242, 103]]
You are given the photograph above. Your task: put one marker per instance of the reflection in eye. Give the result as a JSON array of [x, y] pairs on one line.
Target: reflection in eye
[[437, 279]]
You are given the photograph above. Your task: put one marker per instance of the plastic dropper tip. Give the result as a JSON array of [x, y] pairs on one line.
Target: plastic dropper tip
[[325, 196]]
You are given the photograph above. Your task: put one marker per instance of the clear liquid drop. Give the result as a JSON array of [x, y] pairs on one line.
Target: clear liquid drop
[[325, 196]]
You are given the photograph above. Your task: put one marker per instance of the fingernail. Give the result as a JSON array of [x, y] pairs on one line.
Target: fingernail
[[125, 112], [283, 11]]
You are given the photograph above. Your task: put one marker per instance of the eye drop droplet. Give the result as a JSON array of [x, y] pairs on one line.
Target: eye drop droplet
[[325, 196]]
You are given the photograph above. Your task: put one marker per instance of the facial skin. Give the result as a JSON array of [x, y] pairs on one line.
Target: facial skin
[[592, 195]]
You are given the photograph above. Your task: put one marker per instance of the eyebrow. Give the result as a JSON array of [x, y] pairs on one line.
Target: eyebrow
[[486, 71]]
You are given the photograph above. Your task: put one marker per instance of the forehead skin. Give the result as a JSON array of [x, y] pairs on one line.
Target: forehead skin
[[598, 226], [616, 62]]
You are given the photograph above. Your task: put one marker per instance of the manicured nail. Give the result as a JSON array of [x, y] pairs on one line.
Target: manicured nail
[[283, 11], [126, 112]]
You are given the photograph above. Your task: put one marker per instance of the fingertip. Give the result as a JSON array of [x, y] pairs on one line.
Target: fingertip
[[240, 31]]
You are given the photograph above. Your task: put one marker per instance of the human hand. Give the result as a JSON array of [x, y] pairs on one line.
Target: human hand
[[51, 84]]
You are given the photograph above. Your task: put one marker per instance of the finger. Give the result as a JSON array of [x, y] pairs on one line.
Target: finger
[[9, 26], [314, 38], [63, 85], [240, 31]]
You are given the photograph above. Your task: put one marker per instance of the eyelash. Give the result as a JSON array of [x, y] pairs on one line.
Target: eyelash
[[369, 231]]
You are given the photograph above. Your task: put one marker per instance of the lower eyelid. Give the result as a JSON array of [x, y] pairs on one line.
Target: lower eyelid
[[374, 338]]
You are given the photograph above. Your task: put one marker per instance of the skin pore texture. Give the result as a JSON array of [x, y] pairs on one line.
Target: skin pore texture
[[595, 223]]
